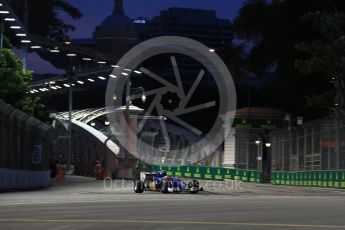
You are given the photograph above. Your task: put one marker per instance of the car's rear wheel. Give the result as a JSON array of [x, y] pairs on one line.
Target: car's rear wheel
[[147, 184], [139, 186], [193, 186]]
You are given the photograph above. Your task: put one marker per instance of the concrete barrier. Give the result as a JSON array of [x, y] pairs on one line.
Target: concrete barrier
[[23, 179]]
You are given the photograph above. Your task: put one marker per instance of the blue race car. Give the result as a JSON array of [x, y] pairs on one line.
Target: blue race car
[[162, 183]]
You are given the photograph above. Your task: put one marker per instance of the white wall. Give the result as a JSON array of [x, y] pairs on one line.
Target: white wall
[[229, 149]]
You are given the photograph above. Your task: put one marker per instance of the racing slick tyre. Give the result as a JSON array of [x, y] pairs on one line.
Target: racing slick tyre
[[138, 186], [193, 186], [164, 186]]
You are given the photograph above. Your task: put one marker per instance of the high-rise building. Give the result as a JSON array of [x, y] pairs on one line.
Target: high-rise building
[[201, 25]]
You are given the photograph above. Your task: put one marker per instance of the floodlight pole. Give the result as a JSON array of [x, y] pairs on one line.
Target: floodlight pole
[[128, 92], [70, 106], [2, 31], [26, 24]]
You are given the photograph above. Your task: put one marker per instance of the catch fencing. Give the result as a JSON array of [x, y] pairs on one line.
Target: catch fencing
[[312, 154], [24, 149]]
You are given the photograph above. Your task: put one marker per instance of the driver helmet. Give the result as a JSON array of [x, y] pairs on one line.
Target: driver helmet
[[161, 174]]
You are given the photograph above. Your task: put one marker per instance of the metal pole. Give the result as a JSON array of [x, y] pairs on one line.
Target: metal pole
[[257, 158], [1, 34], [128, 91], [249, 97], [24, 46], [340, 105], [70, 105], [247, 154]]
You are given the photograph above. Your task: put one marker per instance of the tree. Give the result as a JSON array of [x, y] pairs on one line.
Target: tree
[[43, 18], [272, 29], [325, 55], [15, 83]]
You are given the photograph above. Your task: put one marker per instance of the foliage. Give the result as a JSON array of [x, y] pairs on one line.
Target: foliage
[[325, 54], [272, 30], [15, 83], [43, 17]]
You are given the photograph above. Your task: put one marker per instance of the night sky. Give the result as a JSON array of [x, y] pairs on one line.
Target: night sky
[[95, 11]]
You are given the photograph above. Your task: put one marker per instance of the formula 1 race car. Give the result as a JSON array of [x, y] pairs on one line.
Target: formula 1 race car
[[162, 183]]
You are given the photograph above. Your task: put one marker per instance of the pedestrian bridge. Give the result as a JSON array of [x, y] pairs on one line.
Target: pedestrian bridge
[[94, 138]]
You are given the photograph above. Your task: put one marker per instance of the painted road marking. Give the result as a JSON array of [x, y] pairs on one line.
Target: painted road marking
[[173, 222], [163, 198]]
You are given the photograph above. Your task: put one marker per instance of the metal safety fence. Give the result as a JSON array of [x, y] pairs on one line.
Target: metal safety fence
[[310, 155], [317, 145], [24, 150], [24, 141], [248, 154]]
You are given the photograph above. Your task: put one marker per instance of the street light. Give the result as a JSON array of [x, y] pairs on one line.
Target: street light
[[259, 153], [263, 157], [15, 27], [143, 98], [55, 51]]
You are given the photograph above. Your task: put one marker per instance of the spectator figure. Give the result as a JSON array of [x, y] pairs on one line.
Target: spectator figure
[[99, 170], [61, 171]]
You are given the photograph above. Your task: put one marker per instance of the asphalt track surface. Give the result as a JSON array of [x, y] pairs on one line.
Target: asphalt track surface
[[83, 203]]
